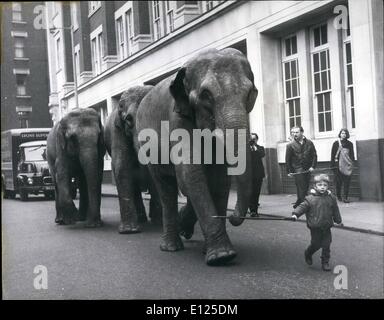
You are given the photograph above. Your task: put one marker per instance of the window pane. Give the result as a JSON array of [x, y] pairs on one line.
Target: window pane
[[353, 117], [328, 121], [297, 104], [348, 52], [298, 121], [287, 71], [316, 62], [321, 122], [349, 74], [287, 47], [324, 37], [288, 89], [317, 82], [329, 80], [324, 81], [294, 88], [291, 109], [327, 101], [352, 96], [291, 122], [320, 103], [294, 45], [293, 69], [316, 33], [323, 57]]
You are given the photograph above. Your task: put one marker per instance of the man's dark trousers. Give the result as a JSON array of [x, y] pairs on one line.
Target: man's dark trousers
[[302, 184], [320, 238]]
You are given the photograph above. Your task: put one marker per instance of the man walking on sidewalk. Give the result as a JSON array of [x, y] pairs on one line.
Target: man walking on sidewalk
[[301, 160]]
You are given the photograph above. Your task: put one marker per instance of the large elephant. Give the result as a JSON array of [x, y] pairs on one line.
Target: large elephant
[[131, 178], [213, 90], [75, 149]]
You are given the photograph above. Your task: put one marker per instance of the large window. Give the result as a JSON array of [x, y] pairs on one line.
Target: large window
[[321, 72], [291, 81], [348, 76], [129, 30], [170, 15], [120, 38], [19, 47], [21, 88], [97, 51], [16, 11], [157, 23]]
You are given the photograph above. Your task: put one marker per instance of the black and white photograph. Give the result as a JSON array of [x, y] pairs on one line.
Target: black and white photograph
[[192, 155]]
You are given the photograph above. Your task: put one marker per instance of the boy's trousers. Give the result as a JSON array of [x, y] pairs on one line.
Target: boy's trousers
[[320, 238]]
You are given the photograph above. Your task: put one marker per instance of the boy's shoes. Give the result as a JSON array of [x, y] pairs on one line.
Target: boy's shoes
[[308, 259], [325, 266]]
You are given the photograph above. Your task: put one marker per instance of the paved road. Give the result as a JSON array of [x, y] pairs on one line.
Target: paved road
[[101, 264]]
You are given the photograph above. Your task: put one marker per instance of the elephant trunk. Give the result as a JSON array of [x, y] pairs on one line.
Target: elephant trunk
[[243, 169]]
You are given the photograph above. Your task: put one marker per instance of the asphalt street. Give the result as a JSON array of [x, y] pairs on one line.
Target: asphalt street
[[101, 264]]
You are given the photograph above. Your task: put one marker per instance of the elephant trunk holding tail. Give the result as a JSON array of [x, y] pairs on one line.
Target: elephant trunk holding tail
[[213, 90], [131, 177], [75, 149]]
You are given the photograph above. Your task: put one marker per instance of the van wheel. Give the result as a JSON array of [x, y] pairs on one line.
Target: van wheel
[[23, 195]]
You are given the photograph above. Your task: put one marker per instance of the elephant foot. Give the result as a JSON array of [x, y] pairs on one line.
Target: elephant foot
[[93, 224], [219, 256], [187, 222], [128, 228], [81, 217], [172, 245], [142, 218], [59, 221]]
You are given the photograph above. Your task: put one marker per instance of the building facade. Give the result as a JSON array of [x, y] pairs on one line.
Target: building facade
[[318, 64], [24, 72]]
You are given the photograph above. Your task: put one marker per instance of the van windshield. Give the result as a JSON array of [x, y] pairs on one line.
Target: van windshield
[[35, 153]]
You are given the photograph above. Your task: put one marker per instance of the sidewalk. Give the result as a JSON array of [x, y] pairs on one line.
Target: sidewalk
[[357, 216]]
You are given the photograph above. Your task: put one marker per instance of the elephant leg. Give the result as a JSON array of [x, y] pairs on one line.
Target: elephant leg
[[188, 219], [84, 201], [194, 183], [155, 211], [141, 213], [65, 208], [92, 171], [167, 188]]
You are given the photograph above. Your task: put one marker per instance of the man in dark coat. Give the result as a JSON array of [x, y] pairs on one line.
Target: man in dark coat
[[301, 160], [258, 173]]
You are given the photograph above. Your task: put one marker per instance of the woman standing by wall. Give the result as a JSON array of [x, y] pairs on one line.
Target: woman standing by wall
[[342, 157]]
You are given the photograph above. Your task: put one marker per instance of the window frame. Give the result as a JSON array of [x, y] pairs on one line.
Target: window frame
[[316, 114], [17, 11], [18, 48], [23, 86], [348, 88], [284, 60], [97, 50], [157, 22]]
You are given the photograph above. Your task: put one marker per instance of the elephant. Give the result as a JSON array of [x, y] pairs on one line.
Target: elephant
[[213, 90], [75, 149], [131, 177]]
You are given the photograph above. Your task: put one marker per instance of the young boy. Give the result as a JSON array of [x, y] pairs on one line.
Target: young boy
[[321, 210]]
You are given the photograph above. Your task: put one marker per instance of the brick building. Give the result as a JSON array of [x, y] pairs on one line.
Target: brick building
[[316, 63], [24, 72]]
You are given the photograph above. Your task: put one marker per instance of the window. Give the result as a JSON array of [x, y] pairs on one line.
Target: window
[[120, 38], [16, 11], [157, 30], [129, 30], [19, 47], [208, 5], [320, 35], [93, 6], [349, 83], [97, 51], [21, 89], [170, 19], [291, 81], [322, 78], [58, 54]]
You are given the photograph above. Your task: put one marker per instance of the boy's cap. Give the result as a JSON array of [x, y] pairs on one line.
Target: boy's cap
[[321, 177]]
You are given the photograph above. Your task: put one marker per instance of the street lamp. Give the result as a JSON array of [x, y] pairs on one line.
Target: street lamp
[[71, 28]]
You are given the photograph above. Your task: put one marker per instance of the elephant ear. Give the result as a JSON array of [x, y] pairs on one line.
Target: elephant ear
[[252, 95], [178, 92], [61, 142]]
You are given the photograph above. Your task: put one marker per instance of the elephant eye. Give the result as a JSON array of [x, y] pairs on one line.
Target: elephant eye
[[206, 95]]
